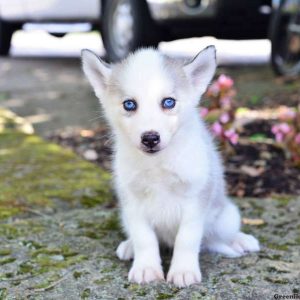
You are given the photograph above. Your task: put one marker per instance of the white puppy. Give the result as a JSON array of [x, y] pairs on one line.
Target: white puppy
[[168, 174]]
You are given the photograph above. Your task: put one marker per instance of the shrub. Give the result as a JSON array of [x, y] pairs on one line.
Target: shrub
[[220, 110], [287, 132]]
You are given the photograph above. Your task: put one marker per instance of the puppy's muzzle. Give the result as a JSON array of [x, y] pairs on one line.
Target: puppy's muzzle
[[150, 140]]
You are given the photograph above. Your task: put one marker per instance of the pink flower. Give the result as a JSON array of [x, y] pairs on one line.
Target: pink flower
[[203, 112], [284, 128], [275, 129], [217, 128], [214, 89], [226, 102], [224, 118], [232, 136], [279, 137], [225, 82], [297, 138]]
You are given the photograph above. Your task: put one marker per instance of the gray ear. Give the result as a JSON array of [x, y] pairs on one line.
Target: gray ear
[[96, 70], [202, 69]]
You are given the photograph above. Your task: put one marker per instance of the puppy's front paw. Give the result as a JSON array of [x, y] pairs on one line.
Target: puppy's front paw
[[184, 277], [143, 274]]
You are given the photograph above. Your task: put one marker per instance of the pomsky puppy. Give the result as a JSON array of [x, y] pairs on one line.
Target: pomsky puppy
[[168, 174]]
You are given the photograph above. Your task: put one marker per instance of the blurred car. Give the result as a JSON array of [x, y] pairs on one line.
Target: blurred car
[[128, 24]]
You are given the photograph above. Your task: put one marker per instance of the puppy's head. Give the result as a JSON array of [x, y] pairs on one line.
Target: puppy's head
[[148, 97]]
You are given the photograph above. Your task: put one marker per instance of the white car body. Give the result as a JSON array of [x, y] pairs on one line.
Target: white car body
[[50, 10]]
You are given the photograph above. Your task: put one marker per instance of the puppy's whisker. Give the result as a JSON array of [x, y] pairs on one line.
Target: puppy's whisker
[[96, 118]]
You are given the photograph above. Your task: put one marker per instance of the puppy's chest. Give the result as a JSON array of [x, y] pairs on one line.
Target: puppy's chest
[[157, 184], [159, 194]]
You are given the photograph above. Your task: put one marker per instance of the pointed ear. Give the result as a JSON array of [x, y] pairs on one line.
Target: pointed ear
[[96, 70], [202, 68]]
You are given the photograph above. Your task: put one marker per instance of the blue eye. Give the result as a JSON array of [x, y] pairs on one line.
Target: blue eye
[[130, 105], [168, 103]]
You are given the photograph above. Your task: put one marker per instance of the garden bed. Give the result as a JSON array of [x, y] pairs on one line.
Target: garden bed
[[254, 167]]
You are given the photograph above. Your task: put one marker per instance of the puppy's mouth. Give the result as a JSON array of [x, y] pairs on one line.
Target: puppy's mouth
[[150, 150]]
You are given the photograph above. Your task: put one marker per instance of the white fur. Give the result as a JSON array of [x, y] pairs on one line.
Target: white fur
[[177, 195]]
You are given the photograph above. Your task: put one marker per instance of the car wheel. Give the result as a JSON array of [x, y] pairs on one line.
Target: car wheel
[[285, 39], [126, 26], [6, 32]]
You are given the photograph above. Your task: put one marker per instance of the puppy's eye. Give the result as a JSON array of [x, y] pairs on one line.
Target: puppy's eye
[[168, 103], [130, 105]]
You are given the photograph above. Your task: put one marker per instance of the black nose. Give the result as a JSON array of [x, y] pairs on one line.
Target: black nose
[[150, 139]]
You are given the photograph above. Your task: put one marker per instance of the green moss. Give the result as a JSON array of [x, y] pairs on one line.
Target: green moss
[[277, 247], [33, 245], [7, 275], [270, 256], [108, 269], [215, 280], [297, 241], [65, 251], [103, 280], [6, 260], [283, 200], [25, 268], [277, 280], [111, 223], [45, 260], [199, 296], [263, 239], [47, 263], [3, 293], [85, 294], [275, 270], [20, 229], [257, 210], [4, 252], [99, 230], [243, 281], [78, 274], [34, 173], [47, 283], [162, 296]]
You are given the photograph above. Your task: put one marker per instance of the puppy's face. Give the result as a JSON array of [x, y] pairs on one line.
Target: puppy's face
[[148, 97]]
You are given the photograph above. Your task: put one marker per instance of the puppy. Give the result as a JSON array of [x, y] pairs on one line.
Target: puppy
[[168, 174]]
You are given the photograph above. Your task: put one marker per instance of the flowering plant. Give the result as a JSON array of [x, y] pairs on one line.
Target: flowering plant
[[287, 132], [220, 110]]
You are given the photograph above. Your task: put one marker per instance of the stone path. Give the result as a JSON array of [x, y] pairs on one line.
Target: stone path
[[62, 245]]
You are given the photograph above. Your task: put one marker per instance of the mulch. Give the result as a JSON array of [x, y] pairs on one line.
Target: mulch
[[252, 168]]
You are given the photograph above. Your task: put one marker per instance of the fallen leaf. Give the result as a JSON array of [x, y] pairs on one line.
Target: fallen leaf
[[253, 221], [251, 171], [87, 133]]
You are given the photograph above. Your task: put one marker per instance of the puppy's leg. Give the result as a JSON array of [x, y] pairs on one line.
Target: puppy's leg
[[185, 269], [146, 265], [125, 250], [227, 238]]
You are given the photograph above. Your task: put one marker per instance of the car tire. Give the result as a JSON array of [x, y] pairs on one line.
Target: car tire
[[6, 32], [137, 29], [283, 61]]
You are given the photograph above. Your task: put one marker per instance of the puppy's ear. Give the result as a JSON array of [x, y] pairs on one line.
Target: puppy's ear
[[202, 69], [96, 70]]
